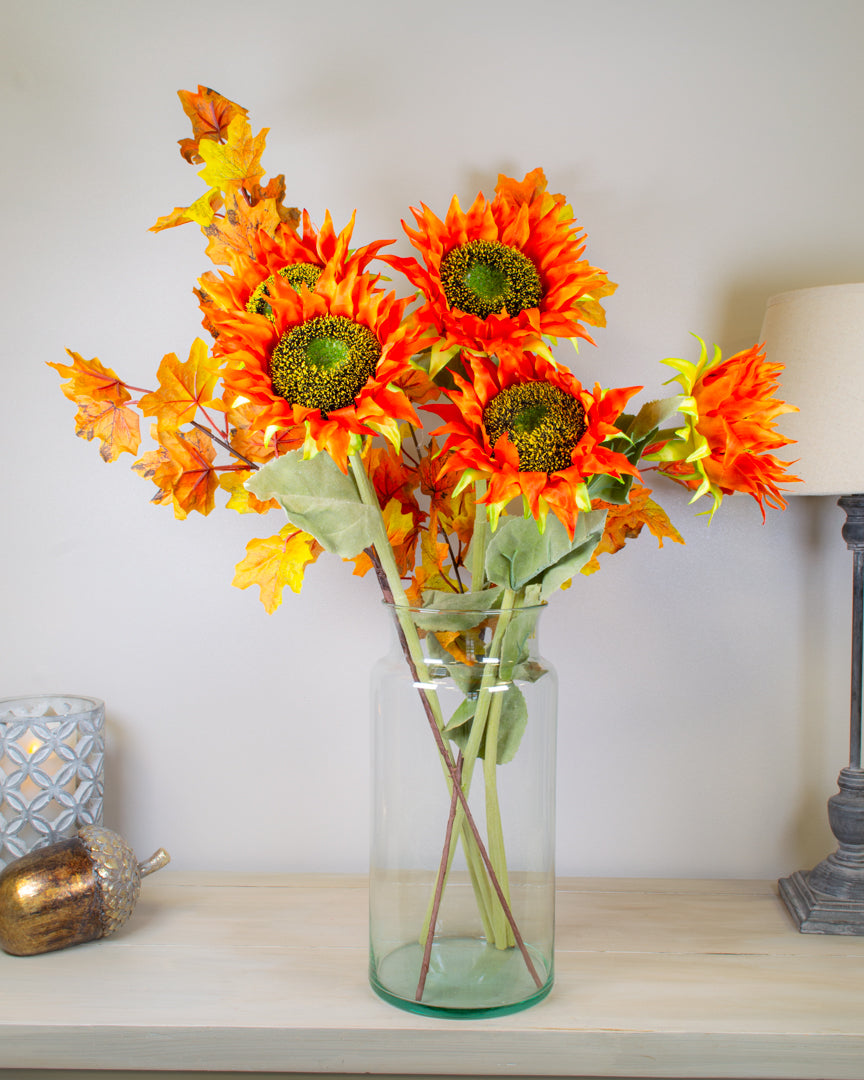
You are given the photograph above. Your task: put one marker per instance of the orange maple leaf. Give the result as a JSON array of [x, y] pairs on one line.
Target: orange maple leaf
[[235, 231], [275, 193], [391, 476], [210, 113], [626, 522], [417, 385], [102, 414], [116, 426], [402, 532], [431, 573], [275, 562], [183, 388], [249, 441], [182, 469], [90, 381]]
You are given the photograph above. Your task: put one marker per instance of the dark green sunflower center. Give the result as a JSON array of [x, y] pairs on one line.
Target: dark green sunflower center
[[483, 276], [324, 362], [296, 274], [543, 422]]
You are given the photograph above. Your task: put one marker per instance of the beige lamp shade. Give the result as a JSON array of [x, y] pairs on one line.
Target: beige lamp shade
[[818, 335]]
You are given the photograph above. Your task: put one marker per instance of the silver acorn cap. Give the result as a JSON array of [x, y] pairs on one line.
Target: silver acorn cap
[[119, 873]]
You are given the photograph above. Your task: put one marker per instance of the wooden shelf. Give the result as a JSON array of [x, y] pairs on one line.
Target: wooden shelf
[[676, 979]]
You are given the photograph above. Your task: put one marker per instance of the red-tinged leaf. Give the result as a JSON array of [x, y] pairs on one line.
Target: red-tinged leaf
[[275, 562], [90, 381], [211, 114], [183, 388], [249, 441], [182, 469], [115, 425], [391, 476]]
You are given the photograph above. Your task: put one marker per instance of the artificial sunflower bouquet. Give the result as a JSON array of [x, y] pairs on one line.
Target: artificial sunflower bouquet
[[432, 438]]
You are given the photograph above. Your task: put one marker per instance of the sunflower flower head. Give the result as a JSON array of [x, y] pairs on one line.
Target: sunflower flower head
[[325, 366], [297, 258], [506, 275], [729, 430], [528, 428]]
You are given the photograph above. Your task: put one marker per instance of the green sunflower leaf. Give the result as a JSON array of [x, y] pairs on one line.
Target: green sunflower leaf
[[651, 416], [514, 719], [457, 610], [319, 499], [519, 554], [461, 714]]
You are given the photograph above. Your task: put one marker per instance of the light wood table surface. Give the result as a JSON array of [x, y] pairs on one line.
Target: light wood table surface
[[267, 975]]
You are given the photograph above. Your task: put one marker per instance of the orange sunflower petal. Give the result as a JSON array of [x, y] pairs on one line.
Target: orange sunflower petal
[[530, 224], [356, 305], [562, 488]]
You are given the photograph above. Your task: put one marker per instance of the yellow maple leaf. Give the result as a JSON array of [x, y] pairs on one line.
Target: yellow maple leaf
[[241, 500], [237, 160], [275, 562], [183, 388], [201, 211]]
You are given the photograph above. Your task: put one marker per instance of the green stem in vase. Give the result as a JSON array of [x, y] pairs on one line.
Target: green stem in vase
[[478, 860], [489, 703], [494, 829]]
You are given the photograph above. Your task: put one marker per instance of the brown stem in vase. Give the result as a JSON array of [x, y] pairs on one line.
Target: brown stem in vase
[[439, 886], [450, 765]]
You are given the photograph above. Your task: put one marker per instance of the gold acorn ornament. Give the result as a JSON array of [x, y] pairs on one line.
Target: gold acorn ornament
[[70, 892]]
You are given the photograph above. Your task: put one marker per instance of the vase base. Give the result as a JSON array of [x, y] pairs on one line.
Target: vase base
[[467, 979]]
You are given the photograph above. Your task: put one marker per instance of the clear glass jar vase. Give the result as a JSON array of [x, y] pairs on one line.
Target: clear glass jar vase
[[462, 872]]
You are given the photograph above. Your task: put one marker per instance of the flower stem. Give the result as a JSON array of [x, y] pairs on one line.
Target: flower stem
[[431, 705], [494, 828], [488, 704], [439, 888], [479, 538]]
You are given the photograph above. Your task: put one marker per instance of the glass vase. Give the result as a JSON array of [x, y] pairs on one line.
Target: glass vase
[[462, 873]]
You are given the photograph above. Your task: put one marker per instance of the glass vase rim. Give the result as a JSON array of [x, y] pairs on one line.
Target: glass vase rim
[[420, 609], [74, 705]]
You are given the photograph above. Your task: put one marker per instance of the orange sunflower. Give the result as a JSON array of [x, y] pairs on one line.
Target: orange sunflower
[[325, 363], [729, 431], [298, 259], [505, 274], [529, 428]]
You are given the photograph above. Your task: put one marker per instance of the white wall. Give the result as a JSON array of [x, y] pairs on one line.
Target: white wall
[[713, 153]]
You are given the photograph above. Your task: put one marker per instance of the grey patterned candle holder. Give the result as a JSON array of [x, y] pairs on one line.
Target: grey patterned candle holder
[[52, 754]]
